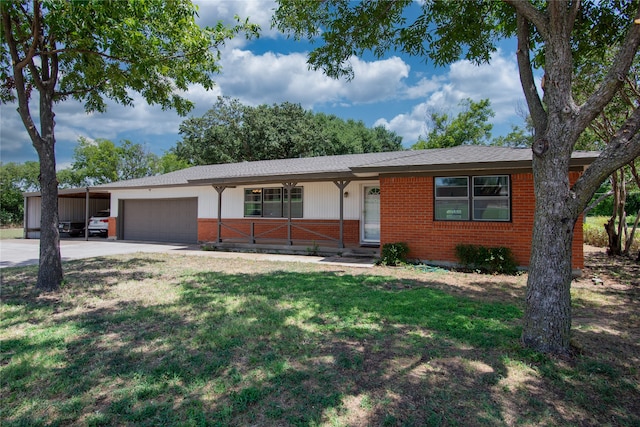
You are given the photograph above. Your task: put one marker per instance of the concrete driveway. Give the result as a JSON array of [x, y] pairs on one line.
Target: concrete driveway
[[21, 252]]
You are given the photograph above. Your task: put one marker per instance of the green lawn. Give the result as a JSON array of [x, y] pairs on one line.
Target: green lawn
[[158, 339], [11, 233]]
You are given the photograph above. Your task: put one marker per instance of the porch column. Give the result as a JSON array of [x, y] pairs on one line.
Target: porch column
[[219, 189], [341, 186], [288, 186]]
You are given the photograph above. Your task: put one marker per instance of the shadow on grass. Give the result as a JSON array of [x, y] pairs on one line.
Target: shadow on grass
[[279, 348]]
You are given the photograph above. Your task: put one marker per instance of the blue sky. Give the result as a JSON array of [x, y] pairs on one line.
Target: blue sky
[[397, 92]]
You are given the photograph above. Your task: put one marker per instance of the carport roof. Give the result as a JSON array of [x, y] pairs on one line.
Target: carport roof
[[350, 166]]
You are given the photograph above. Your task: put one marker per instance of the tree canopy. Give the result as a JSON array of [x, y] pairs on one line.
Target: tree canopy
[[470, 126], [233, 132]]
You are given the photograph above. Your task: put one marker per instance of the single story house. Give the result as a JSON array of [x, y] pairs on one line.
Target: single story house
[[430, 199]]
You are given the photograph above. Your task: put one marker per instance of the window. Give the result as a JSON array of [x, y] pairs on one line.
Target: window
[[452, 198], [272, 202], [491, 198], [487, 200]]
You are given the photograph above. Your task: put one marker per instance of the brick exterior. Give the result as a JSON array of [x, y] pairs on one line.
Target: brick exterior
[[406, 214], [276, 229], [112, 233]]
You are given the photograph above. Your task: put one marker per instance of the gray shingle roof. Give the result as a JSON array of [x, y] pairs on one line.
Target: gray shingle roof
[[344, 166]]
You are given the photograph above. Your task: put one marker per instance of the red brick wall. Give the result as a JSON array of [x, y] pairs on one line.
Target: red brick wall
[[267, 229], [406, 214], [112, 227]]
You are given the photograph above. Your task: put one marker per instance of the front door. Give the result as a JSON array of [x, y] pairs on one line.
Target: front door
[[371, 215]]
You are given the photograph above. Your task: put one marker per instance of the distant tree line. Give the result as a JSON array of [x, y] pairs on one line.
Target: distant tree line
[[232, 132]]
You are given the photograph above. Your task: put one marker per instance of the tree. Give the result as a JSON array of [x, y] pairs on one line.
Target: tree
[[600, 132], [557, 36], [96, 162], [101, 161], [169, 162], [471, 126], [233, 132], [15, 179], [90, 51], [517, 138]]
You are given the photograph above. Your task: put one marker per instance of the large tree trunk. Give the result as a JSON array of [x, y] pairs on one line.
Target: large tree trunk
[[547, 319], [50, 271]]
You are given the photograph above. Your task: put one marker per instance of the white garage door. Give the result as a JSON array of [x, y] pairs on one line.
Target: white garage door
[[161, 220]]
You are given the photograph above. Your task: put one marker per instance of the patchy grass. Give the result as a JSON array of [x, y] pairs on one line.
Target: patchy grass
[[159, 339], [11, 233], [595, 234]]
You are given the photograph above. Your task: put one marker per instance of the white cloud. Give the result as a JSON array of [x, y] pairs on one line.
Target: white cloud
[[210, 12], [274, 78], [497, 81]]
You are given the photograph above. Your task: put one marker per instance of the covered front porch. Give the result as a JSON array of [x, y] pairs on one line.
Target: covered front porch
[[292, 234]]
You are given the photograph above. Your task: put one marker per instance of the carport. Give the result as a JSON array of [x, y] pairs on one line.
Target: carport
[[75, 204]]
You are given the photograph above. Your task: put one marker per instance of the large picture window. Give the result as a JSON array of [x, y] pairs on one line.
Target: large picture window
[[272, 202], [478, 198]]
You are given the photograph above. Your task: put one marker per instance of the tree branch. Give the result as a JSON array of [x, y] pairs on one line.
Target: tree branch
[[613, 80], [18, 77], [536, 109], [533, 15], [596, 202], [573, 14]]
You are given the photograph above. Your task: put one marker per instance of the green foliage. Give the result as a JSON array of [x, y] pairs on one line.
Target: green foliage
[[169, 162], [470, 127], [594, 233], [490, 260], [152, 47], [233, 132], [517, 138], [101, 161], [16, 178], [394, 253]]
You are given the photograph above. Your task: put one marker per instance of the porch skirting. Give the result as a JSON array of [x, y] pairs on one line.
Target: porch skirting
[[261, 231]]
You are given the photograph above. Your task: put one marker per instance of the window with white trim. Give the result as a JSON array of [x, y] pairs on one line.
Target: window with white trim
[[477, 198], [272, 202]]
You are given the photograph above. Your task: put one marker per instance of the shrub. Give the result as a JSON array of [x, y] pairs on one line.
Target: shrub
[[394, 253], [594, 234], [490, 260]]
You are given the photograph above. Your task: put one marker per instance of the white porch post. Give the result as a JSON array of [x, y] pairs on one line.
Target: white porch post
[[219, 189], [288, 186], [341, 186]]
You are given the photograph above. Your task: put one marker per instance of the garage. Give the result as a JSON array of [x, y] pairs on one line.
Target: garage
[[160, 220]]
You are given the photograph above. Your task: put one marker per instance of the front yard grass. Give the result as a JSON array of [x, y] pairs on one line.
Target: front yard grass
[[11, 233], [159, 339]]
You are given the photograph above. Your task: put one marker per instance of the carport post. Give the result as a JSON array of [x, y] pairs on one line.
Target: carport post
[[219, 189], [86, 215]]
